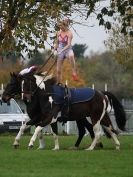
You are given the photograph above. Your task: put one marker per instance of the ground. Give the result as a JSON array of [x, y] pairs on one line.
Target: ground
[[66, 163]]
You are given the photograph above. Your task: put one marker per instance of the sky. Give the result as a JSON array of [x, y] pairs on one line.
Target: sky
[[93, 37], [92, 34]]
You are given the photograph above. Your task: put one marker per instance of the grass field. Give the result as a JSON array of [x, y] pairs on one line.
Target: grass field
[[66, 163]]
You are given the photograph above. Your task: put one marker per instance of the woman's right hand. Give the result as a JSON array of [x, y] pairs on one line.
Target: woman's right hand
[[54, 51]]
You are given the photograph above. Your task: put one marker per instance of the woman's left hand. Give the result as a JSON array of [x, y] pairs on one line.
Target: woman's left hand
[[59, 52]]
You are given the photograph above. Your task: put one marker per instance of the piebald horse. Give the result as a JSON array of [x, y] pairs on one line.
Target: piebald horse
[[14, 87], [93, 104]]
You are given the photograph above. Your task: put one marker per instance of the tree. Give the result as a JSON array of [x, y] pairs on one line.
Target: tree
[[8, 66], [29, 22], [103, 68], [120, 45], [79, 50], [37, 59]]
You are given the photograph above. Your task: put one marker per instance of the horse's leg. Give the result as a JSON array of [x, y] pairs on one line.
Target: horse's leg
[[97, 132], [114, 137], [20, 133], [82, 124], [97, 126], [81, 131], [33, 138], [45, 121], [89, 127], [107, 124], [55, 134], [41, 140]]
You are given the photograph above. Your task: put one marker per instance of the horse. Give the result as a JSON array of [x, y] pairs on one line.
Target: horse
[[51, 101], [14, 87]]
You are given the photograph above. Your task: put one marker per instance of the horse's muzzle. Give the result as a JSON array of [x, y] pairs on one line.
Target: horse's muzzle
[[5, 98], [27, 97]]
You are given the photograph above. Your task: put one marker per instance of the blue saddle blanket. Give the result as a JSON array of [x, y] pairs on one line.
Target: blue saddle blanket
[[76, 95]]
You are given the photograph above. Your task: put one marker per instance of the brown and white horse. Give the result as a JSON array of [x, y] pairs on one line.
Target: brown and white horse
[[95, 108], [14, 87]]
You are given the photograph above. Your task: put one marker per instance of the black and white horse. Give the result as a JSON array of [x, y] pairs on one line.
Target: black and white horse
[[94, 106], [35, 111]]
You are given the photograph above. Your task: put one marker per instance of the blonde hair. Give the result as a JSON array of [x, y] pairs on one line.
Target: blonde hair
[[66, 21], [62, 23]]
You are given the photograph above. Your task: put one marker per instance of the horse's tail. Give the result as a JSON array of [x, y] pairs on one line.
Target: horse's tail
[[119, 112]]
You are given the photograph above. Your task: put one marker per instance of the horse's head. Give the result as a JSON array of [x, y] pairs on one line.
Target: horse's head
[[15, 85], [12, 88], [38, 87], [29, 86]]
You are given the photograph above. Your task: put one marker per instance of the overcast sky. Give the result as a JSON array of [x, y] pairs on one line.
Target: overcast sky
[[93, 37]]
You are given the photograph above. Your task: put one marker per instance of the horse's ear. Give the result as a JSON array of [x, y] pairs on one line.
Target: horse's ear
[[14, 74], [11, 74], [48, 77], [44, 73], [19, 76]]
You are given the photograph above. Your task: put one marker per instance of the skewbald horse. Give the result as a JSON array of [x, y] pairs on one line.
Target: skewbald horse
[[95, 108], [14, 87]]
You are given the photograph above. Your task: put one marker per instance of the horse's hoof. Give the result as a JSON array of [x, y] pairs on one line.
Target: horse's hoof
[[117, 148], [55, 149], [16, 146], [40, 148], [30, 147], [89, 149]]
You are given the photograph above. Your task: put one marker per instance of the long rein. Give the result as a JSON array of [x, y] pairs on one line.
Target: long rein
[[32, 93]]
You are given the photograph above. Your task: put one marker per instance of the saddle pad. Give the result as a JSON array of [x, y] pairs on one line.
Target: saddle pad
[[76, 95]]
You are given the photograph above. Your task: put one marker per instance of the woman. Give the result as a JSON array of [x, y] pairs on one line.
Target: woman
[[64, 49]]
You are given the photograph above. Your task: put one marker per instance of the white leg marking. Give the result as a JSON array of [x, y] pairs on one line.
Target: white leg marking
[[41, 140], [97, 132], [20, 133], [114, 137], [37, 130], [97, 128], [56, 140]]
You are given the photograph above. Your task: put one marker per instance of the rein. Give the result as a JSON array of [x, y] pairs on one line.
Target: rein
[[44, 76], [34, 91], [45, 62]]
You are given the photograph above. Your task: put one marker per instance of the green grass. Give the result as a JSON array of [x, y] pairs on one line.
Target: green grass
[[66, 163]]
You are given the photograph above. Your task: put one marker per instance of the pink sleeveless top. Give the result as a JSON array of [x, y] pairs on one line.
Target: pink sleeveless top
[[62, 41]]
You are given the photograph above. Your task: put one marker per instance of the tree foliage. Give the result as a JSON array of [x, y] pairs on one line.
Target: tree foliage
[[25, 24], [79, 50], [120, 45], [8, 66], [104, 69], [37, 59]]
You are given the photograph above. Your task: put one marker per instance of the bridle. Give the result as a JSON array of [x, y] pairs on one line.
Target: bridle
[[30, 92], [26, 93]]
